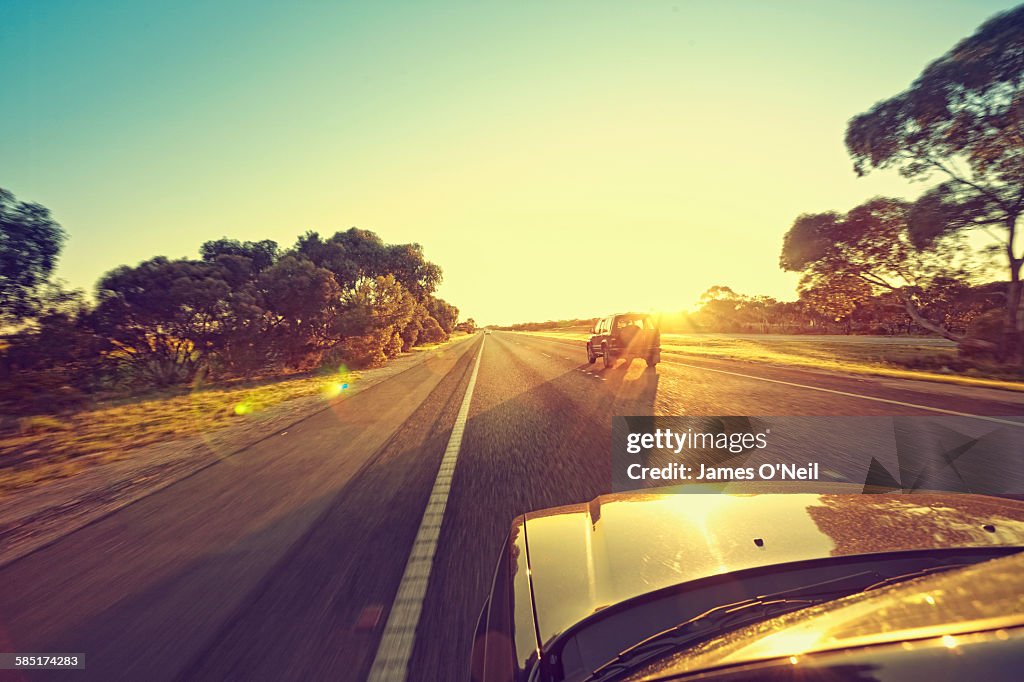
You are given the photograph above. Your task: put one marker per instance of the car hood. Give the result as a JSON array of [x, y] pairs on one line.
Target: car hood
[[951, 605], [586, 557]]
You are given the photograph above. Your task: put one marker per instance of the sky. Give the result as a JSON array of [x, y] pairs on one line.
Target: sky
[[557, 160]]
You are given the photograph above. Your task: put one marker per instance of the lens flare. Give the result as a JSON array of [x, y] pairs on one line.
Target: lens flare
[[336, 383], [333, 389]]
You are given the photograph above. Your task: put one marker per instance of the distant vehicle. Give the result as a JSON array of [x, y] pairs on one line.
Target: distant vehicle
[[487, 331], [758, 587], [625, 335]]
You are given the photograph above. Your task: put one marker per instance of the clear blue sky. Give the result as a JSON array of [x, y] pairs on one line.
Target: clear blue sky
[[528, 146]]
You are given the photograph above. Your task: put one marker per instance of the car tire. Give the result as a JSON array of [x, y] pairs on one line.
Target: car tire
[[608, 360], [591, 358]]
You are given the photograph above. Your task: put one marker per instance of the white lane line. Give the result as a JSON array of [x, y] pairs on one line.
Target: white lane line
[[391, 663], [996, 420], [545, 354]]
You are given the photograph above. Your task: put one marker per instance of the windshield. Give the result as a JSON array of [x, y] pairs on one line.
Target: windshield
[[985, 596]]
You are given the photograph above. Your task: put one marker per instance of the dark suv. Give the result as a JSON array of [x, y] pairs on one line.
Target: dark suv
[[625, 335]]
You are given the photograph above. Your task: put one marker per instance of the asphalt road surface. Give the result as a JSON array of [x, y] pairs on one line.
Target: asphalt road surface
[[282, 562]]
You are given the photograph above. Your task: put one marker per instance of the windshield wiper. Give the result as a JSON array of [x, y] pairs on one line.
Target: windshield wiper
[[738, 614]]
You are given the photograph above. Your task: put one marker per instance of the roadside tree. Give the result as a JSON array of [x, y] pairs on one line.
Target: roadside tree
[[373, 317], [445, 313], [961, 121], [872, 244], [161, 318], [30, 241], [301, 307]]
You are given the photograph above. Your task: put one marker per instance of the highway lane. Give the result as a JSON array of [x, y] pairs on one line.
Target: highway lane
[[537, 437], [283, 563]]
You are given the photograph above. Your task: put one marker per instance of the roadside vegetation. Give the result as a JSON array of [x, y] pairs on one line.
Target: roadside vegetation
[[239, 310], [48, 446], [174, 347]]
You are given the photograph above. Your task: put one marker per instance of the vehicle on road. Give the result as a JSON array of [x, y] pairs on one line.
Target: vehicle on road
[[625, 335], [758, 587]]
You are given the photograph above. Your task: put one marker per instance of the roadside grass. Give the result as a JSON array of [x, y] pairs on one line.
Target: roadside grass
[[920, 358], [50, 446], [454, 336], [55, 446]]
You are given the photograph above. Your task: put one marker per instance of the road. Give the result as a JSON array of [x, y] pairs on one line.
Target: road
[[282, 562]]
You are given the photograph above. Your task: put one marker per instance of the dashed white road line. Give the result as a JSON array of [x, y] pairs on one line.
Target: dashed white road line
[[391, 663]]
